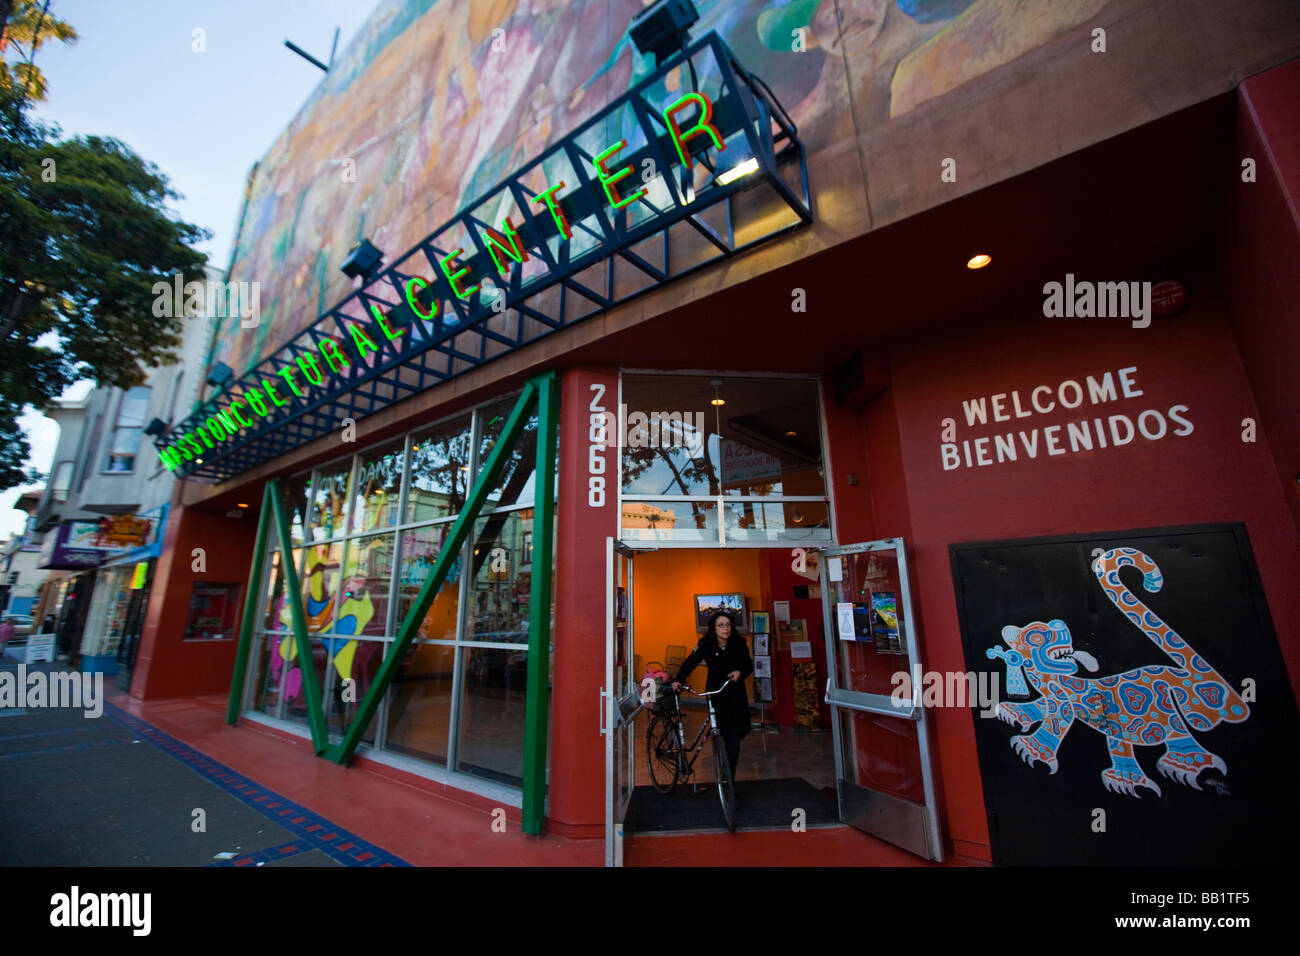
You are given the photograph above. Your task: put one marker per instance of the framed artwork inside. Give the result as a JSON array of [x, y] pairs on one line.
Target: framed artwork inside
[[758, 622], [760, 645]]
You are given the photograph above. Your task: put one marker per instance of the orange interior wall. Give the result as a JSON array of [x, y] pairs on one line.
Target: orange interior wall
[[664, 586]]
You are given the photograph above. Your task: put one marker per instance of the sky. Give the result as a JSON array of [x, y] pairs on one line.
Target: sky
[[203, 117]]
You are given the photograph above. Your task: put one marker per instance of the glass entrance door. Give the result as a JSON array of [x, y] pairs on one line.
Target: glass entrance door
[[883, 764], [620, 699]]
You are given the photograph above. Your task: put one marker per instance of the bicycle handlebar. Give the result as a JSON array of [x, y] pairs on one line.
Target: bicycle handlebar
[[691, 690]]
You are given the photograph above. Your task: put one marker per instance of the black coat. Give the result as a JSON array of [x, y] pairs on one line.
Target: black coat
[[732, 705]]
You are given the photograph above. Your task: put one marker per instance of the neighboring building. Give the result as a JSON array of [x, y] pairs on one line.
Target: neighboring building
[[105, 508], [898, 463], [21, 578]]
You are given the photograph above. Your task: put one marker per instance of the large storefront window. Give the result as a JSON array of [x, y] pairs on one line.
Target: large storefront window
[[366, 532], [729, 461]]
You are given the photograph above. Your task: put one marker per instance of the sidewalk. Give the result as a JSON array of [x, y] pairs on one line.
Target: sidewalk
[[120, 790]]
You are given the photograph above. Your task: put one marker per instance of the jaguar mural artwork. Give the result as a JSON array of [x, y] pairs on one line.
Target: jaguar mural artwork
[[1146, 706]]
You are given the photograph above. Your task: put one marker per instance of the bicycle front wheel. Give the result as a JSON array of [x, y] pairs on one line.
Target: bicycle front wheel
[[726, 787], [661, 749]]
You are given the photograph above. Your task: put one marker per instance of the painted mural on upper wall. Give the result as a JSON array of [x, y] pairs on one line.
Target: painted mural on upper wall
[[435, 101]]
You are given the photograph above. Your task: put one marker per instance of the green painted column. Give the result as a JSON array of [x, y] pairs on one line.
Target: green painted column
[[537, 703], [252, 604], [293, 594]]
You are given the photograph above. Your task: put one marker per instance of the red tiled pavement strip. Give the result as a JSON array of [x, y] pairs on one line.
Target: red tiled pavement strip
[[423, 828]]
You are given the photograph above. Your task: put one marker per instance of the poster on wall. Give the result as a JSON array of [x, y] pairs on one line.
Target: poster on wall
[[788, 631], [1145, 716], [884, 622], [807, 698]]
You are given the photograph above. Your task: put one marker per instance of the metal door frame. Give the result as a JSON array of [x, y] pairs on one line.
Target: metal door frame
[[617, 715], [840, 698]]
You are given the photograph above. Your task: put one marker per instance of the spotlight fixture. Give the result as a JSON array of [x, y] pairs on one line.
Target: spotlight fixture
[[735, 172], [978, 261], [663, 28], [716, 400], [363, 260], [219, 374], [155, 427]]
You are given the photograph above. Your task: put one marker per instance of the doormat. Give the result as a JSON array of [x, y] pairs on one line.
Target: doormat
[[759, 803]]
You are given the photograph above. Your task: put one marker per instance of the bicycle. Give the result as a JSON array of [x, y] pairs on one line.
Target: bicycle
[[671, 760]]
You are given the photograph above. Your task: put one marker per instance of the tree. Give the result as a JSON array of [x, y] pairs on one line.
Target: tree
[[84, 235], [27, 23]]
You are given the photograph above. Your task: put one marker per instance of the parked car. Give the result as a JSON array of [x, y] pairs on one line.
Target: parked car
[[24, 624]]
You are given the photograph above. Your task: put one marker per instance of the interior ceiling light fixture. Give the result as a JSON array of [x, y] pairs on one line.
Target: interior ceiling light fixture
[[243, 504], [717, 399], [978, 261]]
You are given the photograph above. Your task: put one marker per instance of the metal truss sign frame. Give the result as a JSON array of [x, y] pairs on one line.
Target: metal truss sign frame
[[696, 163]]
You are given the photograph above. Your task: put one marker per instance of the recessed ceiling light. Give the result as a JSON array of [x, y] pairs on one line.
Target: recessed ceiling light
[[243, 504], [790, 434], [978, 261], [198, 461], [717, 401]]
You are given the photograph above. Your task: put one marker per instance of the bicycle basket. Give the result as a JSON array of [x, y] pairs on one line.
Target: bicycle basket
[[665, 701]]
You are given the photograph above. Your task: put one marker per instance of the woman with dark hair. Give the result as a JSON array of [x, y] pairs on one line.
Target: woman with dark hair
[[724, 651]]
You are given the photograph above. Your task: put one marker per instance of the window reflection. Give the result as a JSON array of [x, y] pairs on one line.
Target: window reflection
[[439, 471], [420, 549], [329, 498], [320, 583], [514, 485], [296, 489], [367, 574], [491, 740], [763, 438], [778, 521], [378, 490], [669, 520], [502, 576], [419, 708]]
